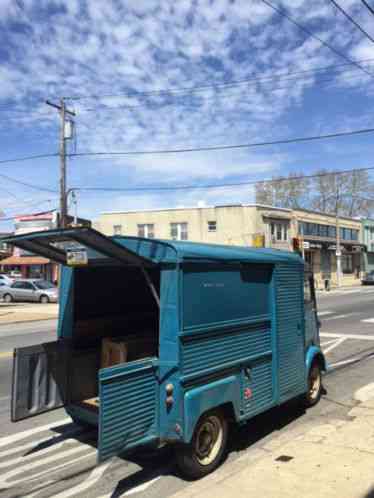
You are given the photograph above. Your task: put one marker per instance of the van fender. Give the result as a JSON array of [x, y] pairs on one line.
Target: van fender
[[312, 353], [199, 400]]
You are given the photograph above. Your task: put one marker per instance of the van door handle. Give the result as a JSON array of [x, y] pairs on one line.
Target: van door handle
[[248, 373]]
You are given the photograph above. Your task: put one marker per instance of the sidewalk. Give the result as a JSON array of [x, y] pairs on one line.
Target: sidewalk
[[26, 312], [332, 460]]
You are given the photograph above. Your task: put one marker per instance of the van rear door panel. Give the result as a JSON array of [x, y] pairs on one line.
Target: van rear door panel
[[129, 395], [39, 379]]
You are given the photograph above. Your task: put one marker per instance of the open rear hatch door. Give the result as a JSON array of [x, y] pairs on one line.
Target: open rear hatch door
[[78, 246], [39, 379]]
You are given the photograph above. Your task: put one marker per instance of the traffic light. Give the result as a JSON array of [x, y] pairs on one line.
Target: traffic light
[[297, 244]]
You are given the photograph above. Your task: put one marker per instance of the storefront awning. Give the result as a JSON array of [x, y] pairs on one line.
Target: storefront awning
[[24, 260]]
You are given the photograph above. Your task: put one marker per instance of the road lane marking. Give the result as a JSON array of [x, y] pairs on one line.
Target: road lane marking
[[365, 393], [343, 362], [348, 336], [25, 469], [336, 317], [323, 313], [43, 451], [132, 491], [6, 354], [35, 443], [4, 398], [23, 435], [94, 476], [49, 471], [368, 320], [334, 345]]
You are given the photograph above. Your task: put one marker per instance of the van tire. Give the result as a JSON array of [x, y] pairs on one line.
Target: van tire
[[44, 299], [196, 460], [8, 298], [313, 395]]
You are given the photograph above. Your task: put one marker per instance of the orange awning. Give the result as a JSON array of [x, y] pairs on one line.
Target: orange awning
[[24, 260]]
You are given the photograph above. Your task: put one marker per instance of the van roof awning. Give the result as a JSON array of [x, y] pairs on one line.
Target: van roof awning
[[77, 247]]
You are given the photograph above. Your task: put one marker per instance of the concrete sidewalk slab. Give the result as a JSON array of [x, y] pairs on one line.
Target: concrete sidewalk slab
[[26, 312], [334, 459]]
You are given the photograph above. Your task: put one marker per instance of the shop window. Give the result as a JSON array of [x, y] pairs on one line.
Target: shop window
[[347, 263], [212, 226], [146, 230], [179, 231]]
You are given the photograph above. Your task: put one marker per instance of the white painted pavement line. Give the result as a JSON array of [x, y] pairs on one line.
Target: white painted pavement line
[[333, 346], [94, 476], [343, 362], [23, 435], [337, 317], [43, 451], [4, 398], [348, 336], [368, 320], [35, 443], [323, 344], [25, 469], [132, 491], [323, 313]]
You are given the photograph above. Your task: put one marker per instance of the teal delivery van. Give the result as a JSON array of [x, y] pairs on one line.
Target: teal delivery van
[[209, 334]]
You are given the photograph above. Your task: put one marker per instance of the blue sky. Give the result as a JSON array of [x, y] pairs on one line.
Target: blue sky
[[50, 49]]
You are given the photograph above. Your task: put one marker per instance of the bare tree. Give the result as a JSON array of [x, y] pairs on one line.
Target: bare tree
[[284, 191], [351, 193]]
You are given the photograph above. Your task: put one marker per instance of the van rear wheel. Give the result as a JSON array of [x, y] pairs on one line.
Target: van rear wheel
[[207, 448], [313, 395]]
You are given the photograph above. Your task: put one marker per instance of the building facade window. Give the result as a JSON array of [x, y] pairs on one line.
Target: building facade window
[[117, 229], [146, 230], [347, 263], [179, 231], [279, 231], [212, 226], [327, 231]]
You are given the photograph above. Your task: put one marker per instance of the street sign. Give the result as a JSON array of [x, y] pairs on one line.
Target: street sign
[[306, 245]]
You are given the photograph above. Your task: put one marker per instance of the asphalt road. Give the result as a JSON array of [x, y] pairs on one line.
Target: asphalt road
[[37, 460]]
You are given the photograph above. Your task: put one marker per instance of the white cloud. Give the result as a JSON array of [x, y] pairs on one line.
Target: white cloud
[[102, 48]]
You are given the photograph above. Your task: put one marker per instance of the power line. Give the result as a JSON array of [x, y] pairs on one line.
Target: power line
[[221, 185], [225, 147], [25, 184], [350, 18], [205, 99], [283, 13], [223, 85], [27, 158], [371, 9]]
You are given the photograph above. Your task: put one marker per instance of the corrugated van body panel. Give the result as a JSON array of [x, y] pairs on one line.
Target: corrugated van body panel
[[290, 330], [128, 407], [214, 349], [260, 385]]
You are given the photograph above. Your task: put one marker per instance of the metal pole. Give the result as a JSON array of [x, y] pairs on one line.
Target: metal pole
[[338, 250], [63, 210]]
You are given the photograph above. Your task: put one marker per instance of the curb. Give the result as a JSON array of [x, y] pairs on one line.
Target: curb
[[27, 321]]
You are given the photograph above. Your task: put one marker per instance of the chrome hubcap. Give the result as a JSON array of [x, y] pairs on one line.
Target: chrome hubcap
[[314, 382], [208, 440]]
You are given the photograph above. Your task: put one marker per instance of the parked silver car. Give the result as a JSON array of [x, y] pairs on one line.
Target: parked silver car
[[39, 291]]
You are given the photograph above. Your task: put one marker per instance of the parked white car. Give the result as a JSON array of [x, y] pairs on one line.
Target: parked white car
[[6, 280]]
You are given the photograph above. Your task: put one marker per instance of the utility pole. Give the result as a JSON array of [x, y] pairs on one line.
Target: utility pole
[[63, 137], [338, 249]]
